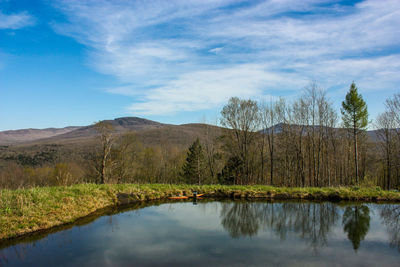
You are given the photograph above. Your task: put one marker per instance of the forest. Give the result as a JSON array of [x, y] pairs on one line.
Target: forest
[[299, 143]]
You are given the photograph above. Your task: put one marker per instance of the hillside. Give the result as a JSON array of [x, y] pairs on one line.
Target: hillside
[[27, 135], [120, 125], [37, 146], [149, 132], [54, 135]]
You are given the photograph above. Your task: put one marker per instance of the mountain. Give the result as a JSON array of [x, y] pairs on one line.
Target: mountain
[[26, 135], [149, 132], [120, 125], [33, 145]]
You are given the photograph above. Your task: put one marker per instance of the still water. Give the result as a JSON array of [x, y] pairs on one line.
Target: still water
[[227, 233]]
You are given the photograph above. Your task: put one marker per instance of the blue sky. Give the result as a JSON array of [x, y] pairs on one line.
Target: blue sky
[[76, 62]]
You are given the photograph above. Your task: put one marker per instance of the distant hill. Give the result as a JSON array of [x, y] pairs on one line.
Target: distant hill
[[36, 147], [74, 132], [26, 135], [149, 132], [120, 125], [84, 137]]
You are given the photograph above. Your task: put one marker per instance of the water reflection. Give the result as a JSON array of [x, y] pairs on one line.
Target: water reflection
[[312, 222], [356, 223], [390, 215], [241, 219], [3, 259], [214, 233], [61, 240]]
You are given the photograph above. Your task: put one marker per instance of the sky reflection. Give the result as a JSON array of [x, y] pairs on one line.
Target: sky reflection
[[224, 234]]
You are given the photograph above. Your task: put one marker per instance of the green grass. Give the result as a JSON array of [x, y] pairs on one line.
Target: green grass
[[29, 210]]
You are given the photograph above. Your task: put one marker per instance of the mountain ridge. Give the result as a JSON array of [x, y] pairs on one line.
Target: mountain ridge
[[121, 125], [32, 134]]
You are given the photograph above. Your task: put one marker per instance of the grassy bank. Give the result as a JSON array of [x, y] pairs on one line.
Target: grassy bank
[[30, 210]]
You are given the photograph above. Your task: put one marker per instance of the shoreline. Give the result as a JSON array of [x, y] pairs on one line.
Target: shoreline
[[25, 212]]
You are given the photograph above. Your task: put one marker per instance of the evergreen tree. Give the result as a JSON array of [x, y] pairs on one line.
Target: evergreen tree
[[194, 167], [355, 117], [232, 173], [356, 221]]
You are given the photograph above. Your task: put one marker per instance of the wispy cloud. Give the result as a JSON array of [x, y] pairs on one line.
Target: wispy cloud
[[216, 50], [16, 21], [200, 90], [175, 56]]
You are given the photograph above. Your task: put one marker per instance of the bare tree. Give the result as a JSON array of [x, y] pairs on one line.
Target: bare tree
[[269, 119], [299, 120], [393, 106], [332, 144], [241, 116], [105, 130], [211, 148], [386, 124], [126, 152]]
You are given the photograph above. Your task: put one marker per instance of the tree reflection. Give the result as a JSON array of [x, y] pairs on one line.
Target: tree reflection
[[311, 221], [356, 224], [240, 219], [390, 215], [3, 259]]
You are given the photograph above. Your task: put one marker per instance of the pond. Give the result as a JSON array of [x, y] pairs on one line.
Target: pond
[[222, 233]]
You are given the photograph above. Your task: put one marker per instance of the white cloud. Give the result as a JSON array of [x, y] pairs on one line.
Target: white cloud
[[202, 90], [216, 50], [16, 21], [193, 55]]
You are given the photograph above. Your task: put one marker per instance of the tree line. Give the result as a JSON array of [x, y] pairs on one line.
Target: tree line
[[304, 142], [297, 143]]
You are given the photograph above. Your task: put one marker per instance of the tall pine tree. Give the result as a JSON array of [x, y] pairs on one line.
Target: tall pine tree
[[355, 118], [194, 167]]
